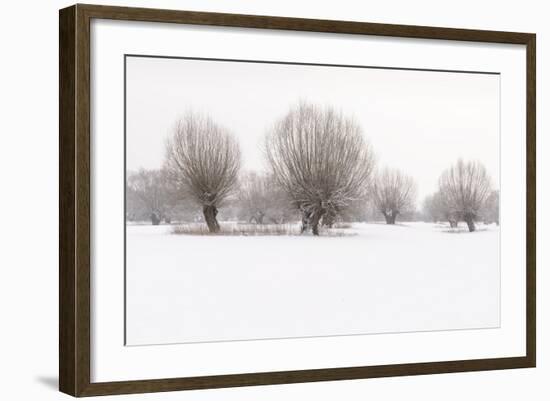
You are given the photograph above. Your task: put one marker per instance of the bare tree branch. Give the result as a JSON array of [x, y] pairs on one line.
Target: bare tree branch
[[320, 159], [436, 208], [491, 209], [394, 192], [151, 188], [203, 160], [465, 188], [261, 199]]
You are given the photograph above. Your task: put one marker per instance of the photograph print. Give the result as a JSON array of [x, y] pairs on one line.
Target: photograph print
[[274, 200]]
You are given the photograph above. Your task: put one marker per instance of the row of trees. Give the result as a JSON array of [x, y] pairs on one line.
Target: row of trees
[[151, 195], [321, 169]]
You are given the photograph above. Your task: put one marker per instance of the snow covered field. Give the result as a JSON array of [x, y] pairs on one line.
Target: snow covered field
[[402, 278]]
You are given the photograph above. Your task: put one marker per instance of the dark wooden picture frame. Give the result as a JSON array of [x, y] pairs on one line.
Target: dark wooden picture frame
[[74, 200]]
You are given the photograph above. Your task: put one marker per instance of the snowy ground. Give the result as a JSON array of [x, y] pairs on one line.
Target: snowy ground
[[407, 277]]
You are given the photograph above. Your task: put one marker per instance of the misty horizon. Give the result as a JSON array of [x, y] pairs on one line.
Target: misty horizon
[[420, 122]]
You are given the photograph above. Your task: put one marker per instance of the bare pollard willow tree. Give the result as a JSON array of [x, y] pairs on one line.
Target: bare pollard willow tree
[[150, 187], [437, 209], [203, 161], [261, 200], [321, 160], [465, 188], [393, 193]]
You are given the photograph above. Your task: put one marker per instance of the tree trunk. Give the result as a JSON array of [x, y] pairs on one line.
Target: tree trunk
[[328, 219], [257, 217], [311, 220], [453, 223], [315, 219], [471, 224], [155, 220], [306, 221], [210, 212], [390, 217]]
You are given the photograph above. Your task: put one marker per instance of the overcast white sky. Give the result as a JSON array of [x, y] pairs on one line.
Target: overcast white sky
[[417, 121]]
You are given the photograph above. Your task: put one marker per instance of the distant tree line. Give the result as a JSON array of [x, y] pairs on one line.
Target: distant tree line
[[465, 194], [321, 170]]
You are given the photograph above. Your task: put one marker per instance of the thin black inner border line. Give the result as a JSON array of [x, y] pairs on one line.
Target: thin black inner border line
[[125, 339], [372, 67], [126, 56]]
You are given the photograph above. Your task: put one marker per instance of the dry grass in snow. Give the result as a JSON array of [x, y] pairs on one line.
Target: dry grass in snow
[[245, 229]]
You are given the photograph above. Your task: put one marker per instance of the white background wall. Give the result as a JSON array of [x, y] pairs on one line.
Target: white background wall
[[28, 200]]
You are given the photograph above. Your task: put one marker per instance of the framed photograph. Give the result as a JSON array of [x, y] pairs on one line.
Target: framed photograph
[[250, 200]]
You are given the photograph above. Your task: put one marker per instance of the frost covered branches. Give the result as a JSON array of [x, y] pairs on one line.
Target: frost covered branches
[[394, 192], [321, 160], [465, 188], [203, 161]]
